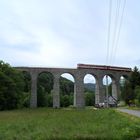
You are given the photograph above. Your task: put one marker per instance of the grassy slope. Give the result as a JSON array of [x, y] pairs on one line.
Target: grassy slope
[[43, 124]]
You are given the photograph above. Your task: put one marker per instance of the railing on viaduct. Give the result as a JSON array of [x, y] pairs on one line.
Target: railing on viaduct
[[98, 71]]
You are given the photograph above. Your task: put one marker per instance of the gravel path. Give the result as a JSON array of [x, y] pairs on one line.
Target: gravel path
[[132, 112]]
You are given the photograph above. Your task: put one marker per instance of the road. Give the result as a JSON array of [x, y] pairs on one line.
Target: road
[[132, 112]]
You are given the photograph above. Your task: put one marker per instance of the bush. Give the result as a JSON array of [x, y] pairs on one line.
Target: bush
[[64, 101], [49, 100], [89, 99]]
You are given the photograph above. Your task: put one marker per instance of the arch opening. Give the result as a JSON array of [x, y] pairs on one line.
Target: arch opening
[[123, 89], [107, 83], [27, 88], [110, 91], [66, 86], [45, 82], [89, 89]]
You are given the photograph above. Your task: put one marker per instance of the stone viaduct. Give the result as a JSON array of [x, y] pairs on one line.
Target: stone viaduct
[[78, 75]]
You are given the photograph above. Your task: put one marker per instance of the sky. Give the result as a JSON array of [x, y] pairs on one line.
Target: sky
[[63, 33]]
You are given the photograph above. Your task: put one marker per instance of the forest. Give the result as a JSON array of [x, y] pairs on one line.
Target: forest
[[15, 89]]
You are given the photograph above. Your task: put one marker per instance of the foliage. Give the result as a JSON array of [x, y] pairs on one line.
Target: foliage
[[137, 93], [135, 78], [25, 100], [49, 100], [45, 86], [45, 80], [64, 100], [127, 93], [41, 97], [64, 124], [130, 91], [89, 98], [11, 87], [66, 86], [27, 81], [89, 87]]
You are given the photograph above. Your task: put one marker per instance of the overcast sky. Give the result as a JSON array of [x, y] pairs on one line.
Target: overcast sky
[[62, 33]]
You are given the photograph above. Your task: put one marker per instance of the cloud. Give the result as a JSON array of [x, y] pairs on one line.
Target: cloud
[[63, 33]]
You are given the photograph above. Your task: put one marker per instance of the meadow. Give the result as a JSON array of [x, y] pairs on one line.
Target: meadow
[[68, 124]]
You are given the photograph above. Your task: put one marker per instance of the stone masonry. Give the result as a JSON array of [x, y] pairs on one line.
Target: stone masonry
[[78, 75]]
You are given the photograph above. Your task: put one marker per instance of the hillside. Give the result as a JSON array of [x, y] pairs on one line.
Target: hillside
[[89, 86]]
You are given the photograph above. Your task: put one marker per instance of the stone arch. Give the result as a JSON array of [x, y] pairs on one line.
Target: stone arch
[[27, 88], [67, 89], [45, 82], [90, 82], [123, 76], [107, 81], [92, 75], [123, 79], [110, 89]]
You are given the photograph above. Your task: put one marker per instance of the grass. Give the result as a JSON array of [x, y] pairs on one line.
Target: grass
[[131, 107], [67, 124]]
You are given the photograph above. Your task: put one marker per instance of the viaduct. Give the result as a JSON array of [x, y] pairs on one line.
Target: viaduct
[[98, 71]]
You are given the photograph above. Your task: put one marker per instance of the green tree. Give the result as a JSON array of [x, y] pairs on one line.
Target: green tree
[[137, 92], [129, 89], [49, 100], [27, 81], [127, 93], [89, 98], [11, 87], [46, 80], [41, 97], [66, 86], [64, 100], [44, 87], [135, 78]]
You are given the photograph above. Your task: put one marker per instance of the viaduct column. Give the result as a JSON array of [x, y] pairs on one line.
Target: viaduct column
[[97, 93], [33, 99], [56, 96], [74, 94], [79, 94], [115, 89], [100, 90]]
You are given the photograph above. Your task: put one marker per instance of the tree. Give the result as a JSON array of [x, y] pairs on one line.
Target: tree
[[130, 89], [11, 87], [135, 78], [41, 97], [27, 81], [65, 100], [127, 93], [46, 80], [66, 86], [44, 88], [89, 98], [137, 93]]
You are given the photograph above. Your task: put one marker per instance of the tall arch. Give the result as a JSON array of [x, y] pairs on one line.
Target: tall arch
[[67, 89], [27, 88], [123, 81], [110, 90], [45, 81], [89, 89]]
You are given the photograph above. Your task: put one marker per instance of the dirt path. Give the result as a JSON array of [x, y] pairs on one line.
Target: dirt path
[[132, 112]]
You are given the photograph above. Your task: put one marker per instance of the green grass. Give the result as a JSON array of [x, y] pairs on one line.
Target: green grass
[[131, 107], [69, 124]]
